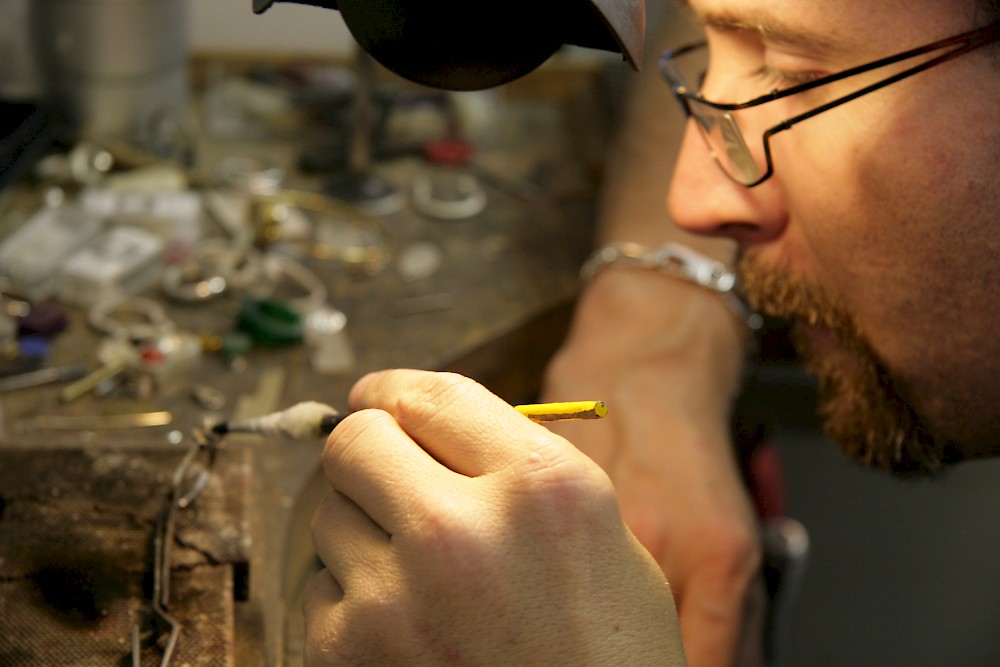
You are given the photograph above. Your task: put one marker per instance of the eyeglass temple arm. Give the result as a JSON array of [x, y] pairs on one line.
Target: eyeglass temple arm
[[970, 40], [787, 124]]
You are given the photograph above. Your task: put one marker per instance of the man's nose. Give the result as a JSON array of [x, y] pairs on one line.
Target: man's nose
[[704, 200]]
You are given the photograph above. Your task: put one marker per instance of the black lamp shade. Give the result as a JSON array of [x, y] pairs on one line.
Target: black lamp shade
[[477, 44]]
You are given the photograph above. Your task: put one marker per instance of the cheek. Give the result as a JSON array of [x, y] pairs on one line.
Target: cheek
[[896, 219], [852, 199], [827, 166], [898, 235]]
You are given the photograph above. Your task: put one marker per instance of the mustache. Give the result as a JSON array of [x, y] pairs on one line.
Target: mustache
[[773, 291]]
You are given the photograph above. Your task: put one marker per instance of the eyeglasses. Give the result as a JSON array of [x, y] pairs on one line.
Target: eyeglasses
[[727, 143]]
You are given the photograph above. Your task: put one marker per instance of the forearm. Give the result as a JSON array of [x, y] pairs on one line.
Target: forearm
[[640, 159], [667, 356], [633, 318]]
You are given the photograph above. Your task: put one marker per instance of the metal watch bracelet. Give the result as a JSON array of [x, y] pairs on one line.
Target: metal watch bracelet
[[677, 261]]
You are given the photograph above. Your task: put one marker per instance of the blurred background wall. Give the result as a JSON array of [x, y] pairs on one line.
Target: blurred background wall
[[230, 25]]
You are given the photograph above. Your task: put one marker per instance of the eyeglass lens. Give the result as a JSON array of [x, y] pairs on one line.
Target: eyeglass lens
[[726, 143], [719, 129]]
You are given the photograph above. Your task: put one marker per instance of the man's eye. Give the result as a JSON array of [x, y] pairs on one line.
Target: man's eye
[[776, 79]]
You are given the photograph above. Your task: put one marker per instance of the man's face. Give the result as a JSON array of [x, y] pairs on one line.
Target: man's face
[[877, 230]]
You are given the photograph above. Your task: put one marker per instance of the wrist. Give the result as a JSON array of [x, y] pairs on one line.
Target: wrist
[[625, 312], [643, 327], [676, 261]]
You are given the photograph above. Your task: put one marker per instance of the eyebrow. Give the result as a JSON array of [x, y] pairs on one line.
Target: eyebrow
[[768, 26]]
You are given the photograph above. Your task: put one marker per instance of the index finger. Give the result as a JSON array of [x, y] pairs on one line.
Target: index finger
[[455, 419]]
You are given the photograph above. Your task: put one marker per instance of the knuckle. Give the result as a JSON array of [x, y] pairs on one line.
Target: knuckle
[[327, 513], [344, 444], [567, 488], [354, 631], [320, 518], [443, 528], [421, 403]]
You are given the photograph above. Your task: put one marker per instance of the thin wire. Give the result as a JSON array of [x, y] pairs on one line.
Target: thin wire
[[163, 539]]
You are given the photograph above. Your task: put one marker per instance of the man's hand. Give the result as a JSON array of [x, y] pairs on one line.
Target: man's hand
[[458, 531], [665, 356]]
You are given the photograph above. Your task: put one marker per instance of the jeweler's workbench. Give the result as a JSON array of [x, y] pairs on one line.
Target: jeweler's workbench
[[94, 486]]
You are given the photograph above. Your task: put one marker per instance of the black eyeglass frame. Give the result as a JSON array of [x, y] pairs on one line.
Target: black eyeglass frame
[[968, 40]]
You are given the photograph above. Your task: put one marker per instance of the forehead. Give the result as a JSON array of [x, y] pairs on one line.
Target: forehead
[[836, 24]]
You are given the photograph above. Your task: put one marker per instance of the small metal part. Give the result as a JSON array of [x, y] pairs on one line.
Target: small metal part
[[785, 543], [91, 380], [324, 321], [448, 195], [366, 190], [209, 398], [89, 163], [177, 499], [42, 376], [424, 303], [326, 332], [206, 435], [277, 267], [201, 481], [136, 662], [184, 282], [250, 173], [118, 318], [98, 422], [419, 260]]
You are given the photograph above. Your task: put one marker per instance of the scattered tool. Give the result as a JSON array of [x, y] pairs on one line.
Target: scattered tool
[[303, 421], [42, 376], [557, 412], [310, 419]]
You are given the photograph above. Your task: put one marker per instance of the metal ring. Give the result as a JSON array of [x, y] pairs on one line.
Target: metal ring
[[276, 266], [156, 322], [472, 201], [176, 283]]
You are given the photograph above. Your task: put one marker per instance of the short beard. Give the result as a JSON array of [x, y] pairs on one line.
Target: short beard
[[859, 403]]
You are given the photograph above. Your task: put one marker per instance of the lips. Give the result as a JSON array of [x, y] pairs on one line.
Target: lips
[[819, 337]]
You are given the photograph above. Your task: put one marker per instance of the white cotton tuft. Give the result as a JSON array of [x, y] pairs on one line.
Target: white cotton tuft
[[302, 421]]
